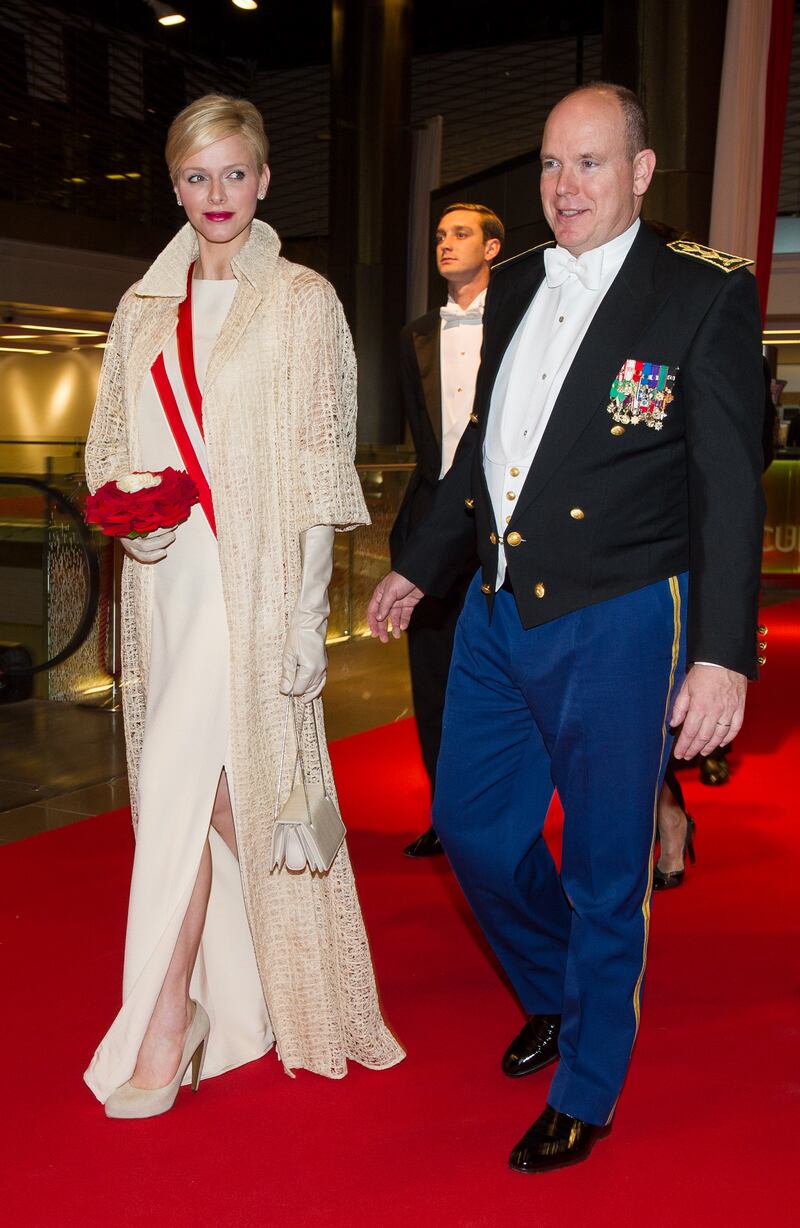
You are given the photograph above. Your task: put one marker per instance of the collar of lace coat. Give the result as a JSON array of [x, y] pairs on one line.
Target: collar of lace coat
[[166, 277]]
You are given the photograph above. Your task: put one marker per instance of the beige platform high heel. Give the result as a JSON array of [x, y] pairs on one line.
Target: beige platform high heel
[[128, 1101]]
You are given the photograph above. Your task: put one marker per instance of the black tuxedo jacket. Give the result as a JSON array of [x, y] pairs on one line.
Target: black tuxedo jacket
[[421, 389], [653, 503]]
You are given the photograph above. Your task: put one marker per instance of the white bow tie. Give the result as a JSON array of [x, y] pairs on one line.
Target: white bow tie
[[588, 268], [472, 315]]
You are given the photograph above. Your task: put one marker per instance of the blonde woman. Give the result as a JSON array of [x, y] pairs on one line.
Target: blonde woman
[[228, 361]]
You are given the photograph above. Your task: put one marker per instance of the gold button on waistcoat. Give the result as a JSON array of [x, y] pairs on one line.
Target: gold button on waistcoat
[[513, 538], [514, 471], [577, 513], [486, 588], [762, 660], [539, 589], [474, 419], [618, 430], [469, 503], [761, 629], [762, 645], [510, 494], [493, 537]]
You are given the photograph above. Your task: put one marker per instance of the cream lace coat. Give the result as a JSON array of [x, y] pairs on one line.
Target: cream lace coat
[[279, 414]]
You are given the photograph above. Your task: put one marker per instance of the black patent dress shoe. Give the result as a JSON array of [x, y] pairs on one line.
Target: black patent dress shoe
[[535, 1047], [714, 769], [554, 1141], [426, 845]]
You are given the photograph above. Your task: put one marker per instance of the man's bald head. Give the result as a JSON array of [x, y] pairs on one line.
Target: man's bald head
[[637, 128]]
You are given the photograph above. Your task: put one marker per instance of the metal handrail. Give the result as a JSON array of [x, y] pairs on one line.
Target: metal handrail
[[386, 467], [71, 441], [91, 601]]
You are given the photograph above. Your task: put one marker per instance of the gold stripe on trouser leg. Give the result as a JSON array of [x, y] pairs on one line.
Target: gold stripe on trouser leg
[[676, 643]]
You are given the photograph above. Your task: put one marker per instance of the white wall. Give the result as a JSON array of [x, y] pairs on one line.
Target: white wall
[[791, 373], [784, 285], [40, 274]]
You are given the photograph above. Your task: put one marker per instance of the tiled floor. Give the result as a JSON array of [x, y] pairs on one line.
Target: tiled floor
[[60, 763], [65, 808]]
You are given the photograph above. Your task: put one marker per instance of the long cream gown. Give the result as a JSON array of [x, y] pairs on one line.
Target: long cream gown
[[186, 746]]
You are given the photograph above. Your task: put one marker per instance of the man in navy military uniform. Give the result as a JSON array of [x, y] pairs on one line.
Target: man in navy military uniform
[[611, 482]]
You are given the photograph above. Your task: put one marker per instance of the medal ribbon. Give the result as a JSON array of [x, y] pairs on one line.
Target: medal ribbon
[[170, 405]]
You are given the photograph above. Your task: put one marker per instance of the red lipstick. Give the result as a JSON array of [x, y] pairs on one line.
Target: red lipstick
[[218, 217]]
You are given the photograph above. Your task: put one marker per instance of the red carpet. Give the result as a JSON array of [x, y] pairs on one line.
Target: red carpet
[[706, 1131]]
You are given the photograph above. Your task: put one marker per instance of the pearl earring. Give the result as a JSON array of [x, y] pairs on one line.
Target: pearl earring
[[180, 202], [261, 196]]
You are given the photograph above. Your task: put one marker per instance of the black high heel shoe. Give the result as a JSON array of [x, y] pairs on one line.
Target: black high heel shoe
[[674, 878]]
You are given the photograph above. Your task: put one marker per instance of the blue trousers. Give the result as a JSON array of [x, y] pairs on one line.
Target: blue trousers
[[580, 704]]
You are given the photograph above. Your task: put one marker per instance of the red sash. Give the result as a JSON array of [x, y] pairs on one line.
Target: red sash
[[170, 405]]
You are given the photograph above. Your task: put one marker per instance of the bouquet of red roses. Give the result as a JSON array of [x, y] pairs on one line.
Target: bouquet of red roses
[[135, 505]]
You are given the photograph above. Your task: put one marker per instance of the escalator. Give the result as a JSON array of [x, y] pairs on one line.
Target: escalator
[[56, 594]]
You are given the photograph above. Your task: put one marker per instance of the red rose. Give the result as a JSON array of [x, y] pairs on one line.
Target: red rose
[[136, 513]]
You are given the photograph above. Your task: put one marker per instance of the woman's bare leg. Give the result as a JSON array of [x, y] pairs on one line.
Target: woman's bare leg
[[222, 815], [671, 831], [162, 1046]]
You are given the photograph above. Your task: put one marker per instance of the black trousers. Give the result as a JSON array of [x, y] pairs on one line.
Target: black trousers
[[430, 646]]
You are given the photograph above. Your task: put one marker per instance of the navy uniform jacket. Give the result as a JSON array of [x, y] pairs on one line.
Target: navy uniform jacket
[[654, 503]]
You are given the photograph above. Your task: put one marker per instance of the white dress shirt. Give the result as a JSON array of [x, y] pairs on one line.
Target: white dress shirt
[[535, 365], [460, 339]]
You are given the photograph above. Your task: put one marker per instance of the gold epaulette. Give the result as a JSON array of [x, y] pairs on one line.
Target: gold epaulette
[[521, 255], [709, 255]]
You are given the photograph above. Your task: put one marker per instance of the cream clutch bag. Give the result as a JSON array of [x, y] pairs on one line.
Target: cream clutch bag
[[308, 830]]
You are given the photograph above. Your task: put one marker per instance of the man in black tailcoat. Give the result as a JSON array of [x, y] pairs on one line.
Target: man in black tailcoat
[[439, 357]]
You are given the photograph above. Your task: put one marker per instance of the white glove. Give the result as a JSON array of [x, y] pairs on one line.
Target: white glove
[[150, 549], [305, 663]]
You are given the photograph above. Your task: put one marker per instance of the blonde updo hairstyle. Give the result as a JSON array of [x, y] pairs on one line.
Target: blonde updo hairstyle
[[212, 118]]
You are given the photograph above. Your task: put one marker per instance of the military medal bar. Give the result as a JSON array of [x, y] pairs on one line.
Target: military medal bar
[[641, 392]]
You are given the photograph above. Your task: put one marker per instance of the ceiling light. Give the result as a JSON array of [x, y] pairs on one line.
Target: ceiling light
[[133, 174], [165, 14], [18, 349], [15, 337], [115, 176], [56, 328], [245, 4]]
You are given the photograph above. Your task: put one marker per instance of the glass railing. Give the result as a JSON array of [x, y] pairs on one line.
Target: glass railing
[[362, 557], [41, 458], [43, 575]]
